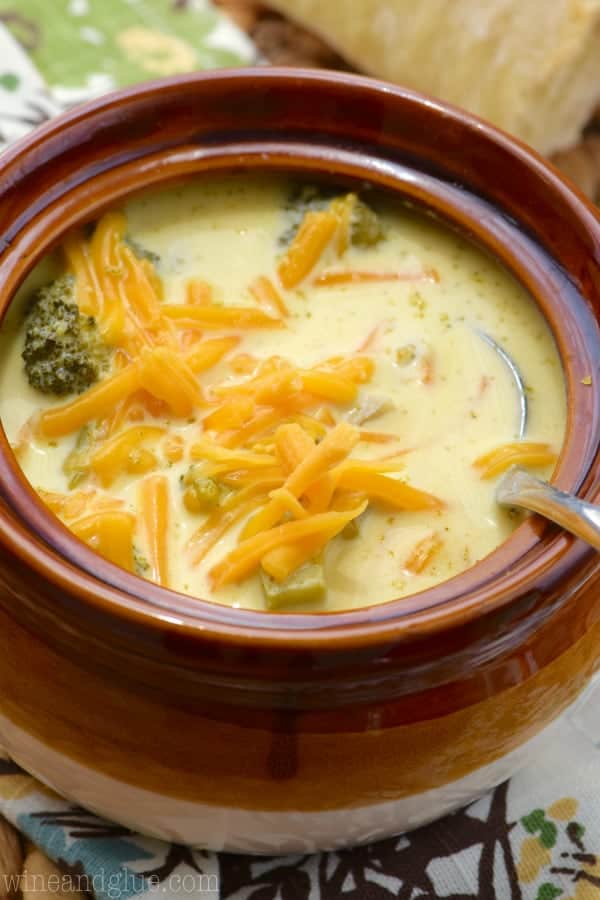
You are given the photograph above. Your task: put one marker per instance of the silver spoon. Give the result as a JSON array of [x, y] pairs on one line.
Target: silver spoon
[[519, 488], [516, 376]]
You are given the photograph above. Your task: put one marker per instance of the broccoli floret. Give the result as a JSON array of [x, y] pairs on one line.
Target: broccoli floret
[[305, 585], [200, 494], [302, 199], [366, 227], [63, 350], [365, 231]]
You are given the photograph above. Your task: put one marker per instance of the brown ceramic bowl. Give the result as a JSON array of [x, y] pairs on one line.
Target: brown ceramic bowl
[[252, 731]]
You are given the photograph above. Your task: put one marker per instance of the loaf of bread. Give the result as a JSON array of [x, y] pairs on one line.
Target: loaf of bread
[[530, 66]]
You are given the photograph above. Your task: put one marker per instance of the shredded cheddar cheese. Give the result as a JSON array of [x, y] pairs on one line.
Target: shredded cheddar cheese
[[210, 436], [524, 453], [315, 232]]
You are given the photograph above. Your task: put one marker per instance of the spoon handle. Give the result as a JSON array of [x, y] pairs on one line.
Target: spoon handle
[[520, 488]]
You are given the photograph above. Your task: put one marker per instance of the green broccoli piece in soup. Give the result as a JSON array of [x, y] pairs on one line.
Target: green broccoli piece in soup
[[365, 229], [305, 585], [302, 199], [365, 224], [63, 351], [200, 494]]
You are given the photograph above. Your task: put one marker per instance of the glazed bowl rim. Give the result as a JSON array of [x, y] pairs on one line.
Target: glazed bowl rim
[[287, 628]]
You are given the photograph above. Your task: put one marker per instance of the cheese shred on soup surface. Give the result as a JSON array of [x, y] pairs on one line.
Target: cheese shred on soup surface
[[277, 395]]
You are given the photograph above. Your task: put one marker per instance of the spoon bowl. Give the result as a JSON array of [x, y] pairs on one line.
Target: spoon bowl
[[520, 488]]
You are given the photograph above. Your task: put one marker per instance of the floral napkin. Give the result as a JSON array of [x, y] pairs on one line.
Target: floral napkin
[[55, 53], [536, 837]]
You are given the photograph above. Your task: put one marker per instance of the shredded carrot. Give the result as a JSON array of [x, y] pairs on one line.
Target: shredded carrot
[[523, 453], [188, 314], [199, 292], [388, 491], [335, 279], [428, 369], [110, 534], [93, 404], [264, 292], [372, 340], [112, 456], [311, 239], [422, 553], [246, 557], [154, 508]]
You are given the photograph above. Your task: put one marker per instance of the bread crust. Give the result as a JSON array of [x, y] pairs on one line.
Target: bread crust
[[532, 68]]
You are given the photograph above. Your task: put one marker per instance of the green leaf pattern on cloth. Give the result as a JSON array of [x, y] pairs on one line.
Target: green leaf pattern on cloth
[[55, 53], [97, 45]]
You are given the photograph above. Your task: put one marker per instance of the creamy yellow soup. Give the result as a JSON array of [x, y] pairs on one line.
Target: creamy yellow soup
[[295, 405]]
